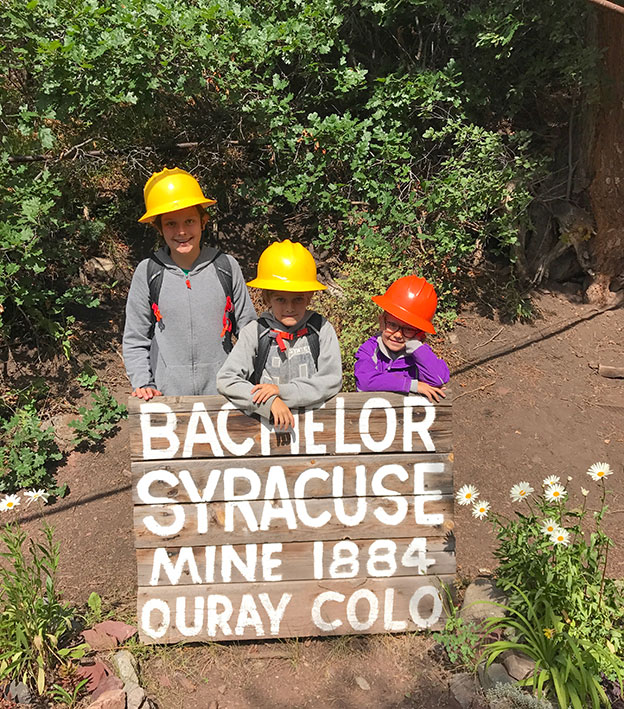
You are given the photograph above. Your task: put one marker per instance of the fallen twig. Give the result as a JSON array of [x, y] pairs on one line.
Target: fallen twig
[[472, 391], [487, 342]]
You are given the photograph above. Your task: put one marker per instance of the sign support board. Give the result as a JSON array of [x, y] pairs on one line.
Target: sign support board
[[342, 526]]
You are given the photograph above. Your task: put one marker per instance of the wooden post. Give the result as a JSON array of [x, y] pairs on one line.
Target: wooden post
[[344, 526]]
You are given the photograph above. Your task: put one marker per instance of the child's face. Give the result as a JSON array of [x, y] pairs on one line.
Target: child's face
[[182, 232], [288, 307], [395, 333]]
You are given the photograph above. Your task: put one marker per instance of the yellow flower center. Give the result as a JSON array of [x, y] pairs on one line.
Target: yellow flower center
[[600, 473], [9, 504], [468, 495], [556, 493]]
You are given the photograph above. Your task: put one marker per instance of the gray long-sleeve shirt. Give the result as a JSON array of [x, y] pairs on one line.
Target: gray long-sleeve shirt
[[186, 350], [300, 382]]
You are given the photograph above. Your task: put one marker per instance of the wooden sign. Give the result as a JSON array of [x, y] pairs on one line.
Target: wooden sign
[[344, 525]]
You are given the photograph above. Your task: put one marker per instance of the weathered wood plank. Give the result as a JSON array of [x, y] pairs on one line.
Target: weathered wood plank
[[348, 424], [232, 522], [352, 400], [294, 561], [427, 473], [290, 609]]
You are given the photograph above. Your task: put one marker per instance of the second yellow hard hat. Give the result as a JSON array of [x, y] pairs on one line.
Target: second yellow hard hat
[[288, 266], [170, 190]]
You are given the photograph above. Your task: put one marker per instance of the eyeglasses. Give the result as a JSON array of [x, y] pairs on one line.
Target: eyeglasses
[[408, 332]]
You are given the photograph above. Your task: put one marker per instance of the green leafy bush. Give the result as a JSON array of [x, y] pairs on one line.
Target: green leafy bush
[[98, 420], [356, 126], [33, 618], [26, 453]]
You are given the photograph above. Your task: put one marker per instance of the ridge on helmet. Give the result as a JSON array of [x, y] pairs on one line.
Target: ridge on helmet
[[170, 190], [411, 299], [287, 266]]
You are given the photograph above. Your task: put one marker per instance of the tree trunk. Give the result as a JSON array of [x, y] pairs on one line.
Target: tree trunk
[[607, 160]]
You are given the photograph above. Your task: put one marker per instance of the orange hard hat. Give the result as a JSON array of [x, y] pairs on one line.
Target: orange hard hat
[[412, 300]]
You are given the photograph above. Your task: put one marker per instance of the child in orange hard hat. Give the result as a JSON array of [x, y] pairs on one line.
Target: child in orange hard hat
[[290, 358], [185, 301], [398, 359]]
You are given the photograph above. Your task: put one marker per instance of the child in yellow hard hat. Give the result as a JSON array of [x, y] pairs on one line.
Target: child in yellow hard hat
[[185, 301], [290, 358], [398, 359]]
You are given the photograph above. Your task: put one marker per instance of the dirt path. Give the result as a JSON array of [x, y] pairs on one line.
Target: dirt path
[[527, 404]]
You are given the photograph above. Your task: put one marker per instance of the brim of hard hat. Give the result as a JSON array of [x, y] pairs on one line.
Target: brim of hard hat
[[174, 207], [292, 287], [404, 315]]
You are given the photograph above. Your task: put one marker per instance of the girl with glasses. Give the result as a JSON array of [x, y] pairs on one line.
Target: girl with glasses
[[398, 359]]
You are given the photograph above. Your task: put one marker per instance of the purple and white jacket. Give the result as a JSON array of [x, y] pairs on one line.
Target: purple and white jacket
[[376, 370]]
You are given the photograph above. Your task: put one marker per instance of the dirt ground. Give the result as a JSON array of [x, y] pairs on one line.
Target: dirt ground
[[528, 402]]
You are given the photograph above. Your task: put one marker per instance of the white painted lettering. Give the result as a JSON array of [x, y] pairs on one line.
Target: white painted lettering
[[420, 427], [234, 448], [275, 614], [310, 428], [209, 436], [378, 402], [269, 563], [246, 511], [319, 601], [248, 616], [419, 510], [198, 616], [341, 446], [282, 510], [145, 482], [218, 619], [362, 594], [149, 431], [160, 607], [161, 562], [389, 624], [435, 612], [231, 475], [231, 558], [164, 530]]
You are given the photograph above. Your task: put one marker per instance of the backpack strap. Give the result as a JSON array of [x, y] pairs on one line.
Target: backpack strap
[[314, 328], [155, 270], [264, 344], [224, 272]]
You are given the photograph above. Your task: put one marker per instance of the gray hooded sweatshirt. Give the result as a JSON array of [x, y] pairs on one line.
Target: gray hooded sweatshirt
[[300, 382], [185, 353]]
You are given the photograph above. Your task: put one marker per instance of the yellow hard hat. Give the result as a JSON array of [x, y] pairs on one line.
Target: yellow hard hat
[[287, 266], [170, 190]]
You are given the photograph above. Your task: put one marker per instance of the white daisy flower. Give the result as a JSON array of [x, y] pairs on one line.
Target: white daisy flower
[[560, 536], [549, 526], [551, 480], [555, 493], [36, 496], [599, 470], [584, 492], [9, 503], [480, 509], [467, 494], [520, 491]]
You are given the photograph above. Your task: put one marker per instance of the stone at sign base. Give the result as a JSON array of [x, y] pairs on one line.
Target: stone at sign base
[[479, 601], [114, 699], [463, 691], [518, 666]]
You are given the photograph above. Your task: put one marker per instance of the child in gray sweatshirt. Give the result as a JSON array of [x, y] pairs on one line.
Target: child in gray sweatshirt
[[185, 301], [290, 358]]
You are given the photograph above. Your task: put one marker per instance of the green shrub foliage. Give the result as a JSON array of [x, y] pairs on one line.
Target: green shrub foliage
[[419, 123]]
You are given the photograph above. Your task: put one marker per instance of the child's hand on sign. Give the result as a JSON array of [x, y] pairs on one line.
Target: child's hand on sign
[[282, 415], [432, 393], [263, 392], [146, 393]]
